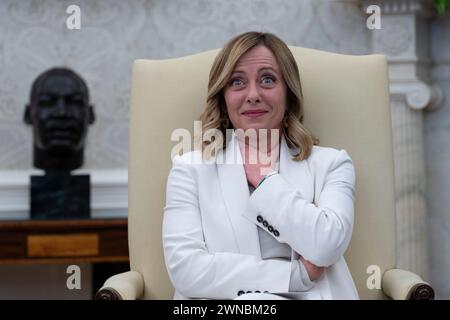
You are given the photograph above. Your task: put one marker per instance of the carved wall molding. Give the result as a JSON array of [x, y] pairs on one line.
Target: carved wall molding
[[404, 39], [418, 95]]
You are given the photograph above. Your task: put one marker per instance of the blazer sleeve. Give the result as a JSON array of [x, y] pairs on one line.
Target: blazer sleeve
[[319, 232], [194, 271]]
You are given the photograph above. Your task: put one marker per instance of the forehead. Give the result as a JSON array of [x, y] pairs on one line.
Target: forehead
[[60, 84], [259, 55]]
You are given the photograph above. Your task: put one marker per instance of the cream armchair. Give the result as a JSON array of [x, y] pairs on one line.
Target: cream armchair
[[346, 106]]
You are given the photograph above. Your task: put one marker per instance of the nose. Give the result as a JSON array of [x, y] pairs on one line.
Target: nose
[[61, 109], [253, 94]]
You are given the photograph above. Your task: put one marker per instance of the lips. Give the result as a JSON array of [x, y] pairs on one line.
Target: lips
[[254, 113]]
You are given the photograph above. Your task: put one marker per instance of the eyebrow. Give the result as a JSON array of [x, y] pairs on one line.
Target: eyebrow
[[56, 94]]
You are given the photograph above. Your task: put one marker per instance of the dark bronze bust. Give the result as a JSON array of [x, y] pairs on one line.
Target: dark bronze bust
[[60, 114]]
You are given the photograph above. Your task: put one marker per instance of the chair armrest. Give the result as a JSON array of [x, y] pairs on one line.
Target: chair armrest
[[123, 286], [404, 285]]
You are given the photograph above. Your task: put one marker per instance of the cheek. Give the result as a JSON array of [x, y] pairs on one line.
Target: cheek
[[233, 101], [231, 98], [277, 100]]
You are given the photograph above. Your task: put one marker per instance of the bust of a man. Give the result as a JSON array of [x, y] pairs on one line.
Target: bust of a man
[[60, 114]]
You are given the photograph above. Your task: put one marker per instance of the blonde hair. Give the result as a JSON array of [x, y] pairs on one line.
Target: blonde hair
[[215, 115]]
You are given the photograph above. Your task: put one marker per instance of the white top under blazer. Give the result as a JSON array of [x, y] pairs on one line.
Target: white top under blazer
[[210, 224]]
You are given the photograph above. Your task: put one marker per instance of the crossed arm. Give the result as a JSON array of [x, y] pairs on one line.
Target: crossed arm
[[341, 179]]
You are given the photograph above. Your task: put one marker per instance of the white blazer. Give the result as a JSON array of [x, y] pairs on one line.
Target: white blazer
[[210, 237]]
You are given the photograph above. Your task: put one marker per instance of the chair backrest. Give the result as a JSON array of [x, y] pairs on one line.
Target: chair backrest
[[346, 106]]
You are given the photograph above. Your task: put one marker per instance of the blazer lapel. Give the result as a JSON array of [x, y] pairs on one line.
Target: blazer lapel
[[236, 194], [297, 173]]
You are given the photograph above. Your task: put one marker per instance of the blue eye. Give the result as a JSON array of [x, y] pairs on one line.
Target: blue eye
[[268, 80], [236, 82]]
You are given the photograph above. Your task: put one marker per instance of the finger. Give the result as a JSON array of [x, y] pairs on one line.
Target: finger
[[312, 264]]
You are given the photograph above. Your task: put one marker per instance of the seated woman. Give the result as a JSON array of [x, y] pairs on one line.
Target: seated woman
[[272, 215]]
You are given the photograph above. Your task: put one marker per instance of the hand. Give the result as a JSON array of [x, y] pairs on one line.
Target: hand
[[254, 166], [314, 272]]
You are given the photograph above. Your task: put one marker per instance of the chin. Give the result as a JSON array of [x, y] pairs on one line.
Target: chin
[[258, 126], [61, 146]]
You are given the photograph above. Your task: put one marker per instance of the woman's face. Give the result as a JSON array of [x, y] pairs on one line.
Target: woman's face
[[256, 93]]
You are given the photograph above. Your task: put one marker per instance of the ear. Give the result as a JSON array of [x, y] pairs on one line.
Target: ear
[[91, 115], [27, 115]]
